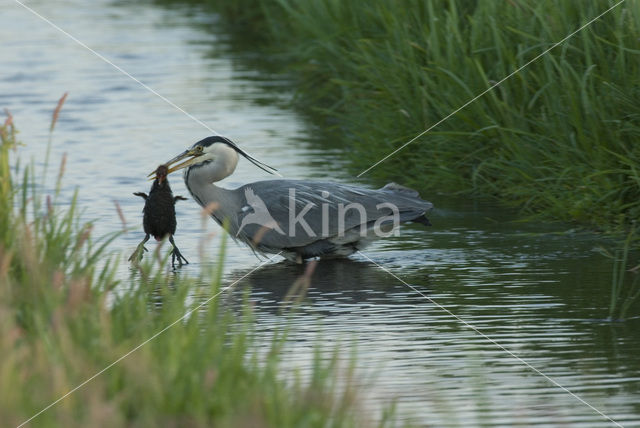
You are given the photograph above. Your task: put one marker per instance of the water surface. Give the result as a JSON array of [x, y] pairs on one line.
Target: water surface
[[530, 287]]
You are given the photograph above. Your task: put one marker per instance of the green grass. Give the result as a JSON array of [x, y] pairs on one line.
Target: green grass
[[64, 317], [625, 281], [559, 139]]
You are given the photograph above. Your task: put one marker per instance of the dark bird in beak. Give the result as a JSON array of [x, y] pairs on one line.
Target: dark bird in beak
[[159, 218]]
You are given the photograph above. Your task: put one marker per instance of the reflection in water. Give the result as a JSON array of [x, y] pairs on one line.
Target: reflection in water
[[352, 280], [534, 288]]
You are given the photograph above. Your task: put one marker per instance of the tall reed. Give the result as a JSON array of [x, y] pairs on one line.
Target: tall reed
[[559, 138], [625, 281], [64, 318]]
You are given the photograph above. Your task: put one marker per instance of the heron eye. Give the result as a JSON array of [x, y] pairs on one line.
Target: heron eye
[[199, 149]]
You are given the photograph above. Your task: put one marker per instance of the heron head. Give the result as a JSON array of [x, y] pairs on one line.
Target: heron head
[[217, 150]]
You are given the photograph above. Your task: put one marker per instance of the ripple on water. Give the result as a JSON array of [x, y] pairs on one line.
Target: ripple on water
[[532, 288]]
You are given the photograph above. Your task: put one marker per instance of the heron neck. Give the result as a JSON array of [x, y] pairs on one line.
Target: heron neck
[[212, 197]]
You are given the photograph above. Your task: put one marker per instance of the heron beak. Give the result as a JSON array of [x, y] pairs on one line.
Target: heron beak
[[189, 153]]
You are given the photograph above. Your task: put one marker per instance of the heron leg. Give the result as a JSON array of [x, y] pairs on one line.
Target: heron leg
[[136, 256], [176, 254]]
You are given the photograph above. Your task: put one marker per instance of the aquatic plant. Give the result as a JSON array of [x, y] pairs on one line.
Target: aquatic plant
[[558, 139], [75, 340], [625, 281]]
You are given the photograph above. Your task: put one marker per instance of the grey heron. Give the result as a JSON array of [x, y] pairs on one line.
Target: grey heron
[[303, 218]]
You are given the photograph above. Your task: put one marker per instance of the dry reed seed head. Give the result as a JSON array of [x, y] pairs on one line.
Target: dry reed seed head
[[5, 262], [142, 272], [204, 240], [49, 206], [9, 331], [209, 210], [210, 377], [121, 215], [8, 131], [299, 288], [79, 292], [28, 252], [9, 120], [63, 164], [56, 111], [15, 334], [310, 268], [294, 294], [58, 280], [84, 236], [102, 413], [156, 253], [57, 318], [260, 234]]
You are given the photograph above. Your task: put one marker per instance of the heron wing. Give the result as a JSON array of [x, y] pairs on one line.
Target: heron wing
[[309, 211]]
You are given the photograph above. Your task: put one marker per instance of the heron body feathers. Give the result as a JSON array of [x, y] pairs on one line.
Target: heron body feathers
[[298, 218]]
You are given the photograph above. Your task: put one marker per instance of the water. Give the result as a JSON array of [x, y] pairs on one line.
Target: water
[[536, 291]]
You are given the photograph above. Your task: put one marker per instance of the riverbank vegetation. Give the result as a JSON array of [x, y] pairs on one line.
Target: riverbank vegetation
[[65, 319], [558, 138]]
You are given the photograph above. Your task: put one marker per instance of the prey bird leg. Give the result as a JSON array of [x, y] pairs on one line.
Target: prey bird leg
[[176, 254], [136, 256]]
